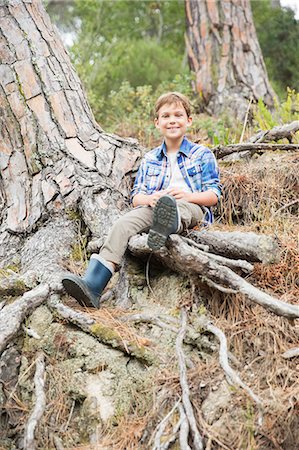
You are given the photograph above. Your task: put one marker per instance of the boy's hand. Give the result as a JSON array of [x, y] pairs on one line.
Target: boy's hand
[[179, 194], [153, 198]]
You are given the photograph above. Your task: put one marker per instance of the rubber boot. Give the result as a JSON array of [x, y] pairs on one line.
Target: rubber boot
[[166, 221], [87, 290]]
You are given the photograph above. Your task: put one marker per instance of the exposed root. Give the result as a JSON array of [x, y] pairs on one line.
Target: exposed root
[[161, 428], [12, 315], [40, 404], [231, 374], [102, 332], [197, 439], [184, 429]]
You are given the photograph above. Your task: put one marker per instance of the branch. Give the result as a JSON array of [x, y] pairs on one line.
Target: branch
[[221, 151], [197, 439], [12, 315], [280, 132], [101, 332], [180, 257], [40, 403], [239, 245]]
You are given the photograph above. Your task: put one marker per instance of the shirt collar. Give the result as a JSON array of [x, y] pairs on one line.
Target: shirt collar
[[184, 148]]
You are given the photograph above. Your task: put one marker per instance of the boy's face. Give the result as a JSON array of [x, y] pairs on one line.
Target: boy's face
[[173, 121]]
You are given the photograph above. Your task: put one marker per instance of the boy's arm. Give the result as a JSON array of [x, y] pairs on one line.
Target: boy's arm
[[139, 196], [207, 198]]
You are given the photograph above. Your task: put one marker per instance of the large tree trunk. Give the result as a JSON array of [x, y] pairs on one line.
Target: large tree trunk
[[54, 156], [225, 55]]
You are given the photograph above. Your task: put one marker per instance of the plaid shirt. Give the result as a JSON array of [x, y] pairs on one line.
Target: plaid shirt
[[196, 162]]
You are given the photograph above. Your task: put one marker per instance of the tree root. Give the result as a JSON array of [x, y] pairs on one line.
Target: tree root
[[12, 315], [161, 428], [197, 439], [231, 375], [40, 403], [182, 258], [101, 332]]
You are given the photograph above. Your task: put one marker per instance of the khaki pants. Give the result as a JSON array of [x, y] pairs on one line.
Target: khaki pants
[[139, 220]]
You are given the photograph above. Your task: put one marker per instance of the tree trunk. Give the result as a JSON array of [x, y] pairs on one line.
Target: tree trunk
[[225, 55], [54, 156]]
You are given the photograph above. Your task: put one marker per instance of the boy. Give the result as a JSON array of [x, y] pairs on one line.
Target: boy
[[176, 184]]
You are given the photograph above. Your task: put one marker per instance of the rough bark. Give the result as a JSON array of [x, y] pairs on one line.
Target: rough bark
[[54, 156], [224, 53]]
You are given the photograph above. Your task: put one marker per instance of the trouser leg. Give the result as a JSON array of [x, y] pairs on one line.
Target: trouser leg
[[190, 214], [139, 220], [133, 222]]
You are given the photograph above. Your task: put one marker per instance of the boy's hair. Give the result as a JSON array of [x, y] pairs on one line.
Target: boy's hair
[[172, 97]]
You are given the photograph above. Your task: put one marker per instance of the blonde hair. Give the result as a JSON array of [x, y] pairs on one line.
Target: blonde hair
[[170, 98]]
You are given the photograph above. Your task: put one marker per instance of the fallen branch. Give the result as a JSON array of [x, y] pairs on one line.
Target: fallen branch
[[286, 131], [239, 245], [222, 151], [100, 331], [197, 439], [40, 403], [181, 257], [12, 315]]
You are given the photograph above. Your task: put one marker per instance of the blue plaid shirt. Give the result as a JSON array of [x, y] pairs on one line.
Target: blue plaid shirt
[[198, 166]]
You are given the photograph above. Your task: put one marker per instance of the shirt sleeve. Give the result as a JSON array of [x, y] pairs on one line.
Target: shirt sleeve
[[210, 173], [139, 184]]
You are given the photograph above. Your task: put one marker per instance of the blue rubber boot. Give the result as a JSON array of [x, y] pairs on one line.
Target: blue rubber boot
[[166, 221], [87, 290]]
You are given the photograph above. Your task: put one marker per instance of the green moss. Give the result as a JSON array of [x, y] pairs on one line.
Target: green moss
[[73, 214], [111, 337], [106, 334]]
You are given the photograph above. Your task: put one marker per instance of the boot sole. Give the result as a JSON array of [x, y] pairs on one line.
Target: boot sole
[[165, 222], [77, 289]]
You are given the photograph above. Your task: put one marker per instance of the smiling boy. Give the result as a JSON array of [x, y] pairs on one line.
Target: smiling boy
[[175, 187]]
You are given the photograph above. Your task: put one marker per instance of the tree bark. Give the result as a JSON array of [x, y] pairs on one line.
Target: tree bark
[[224, 53], [54, 156]]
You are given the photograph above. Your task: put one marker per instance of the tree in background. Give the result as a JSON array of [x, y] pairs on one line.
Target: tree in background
[[127, 51], [224, 53], [278, 34], [138, 42]]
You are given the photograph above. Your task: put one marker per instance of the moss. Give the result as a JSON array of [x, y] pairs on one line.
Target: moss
[[105, 334], [73, 214], [111, 337]]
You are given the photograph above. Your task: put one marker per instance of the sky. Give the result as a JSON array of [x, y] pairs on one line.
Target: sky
[[294, 4]]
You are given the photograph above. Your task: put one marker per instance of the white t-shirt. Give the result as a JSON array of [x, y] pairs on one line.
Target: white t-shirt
[[176, 177]]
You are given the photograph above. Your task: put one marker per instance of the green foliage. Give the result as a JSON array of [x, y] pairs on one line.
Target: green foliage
[[136, 63], [283, 112], [219, 131], [278, 35]]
